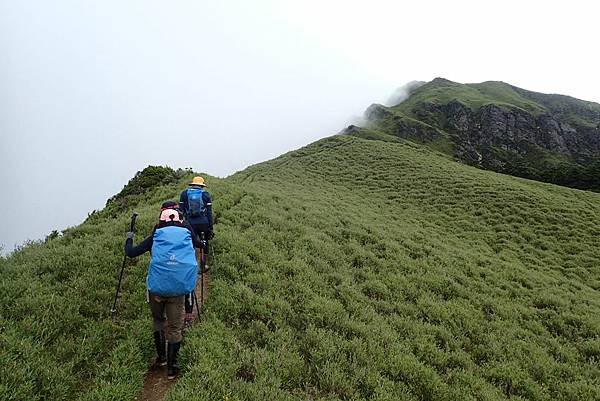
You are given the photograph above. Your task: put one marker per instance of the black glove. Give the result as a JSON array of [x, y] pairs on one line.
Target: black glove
[[211, 234]]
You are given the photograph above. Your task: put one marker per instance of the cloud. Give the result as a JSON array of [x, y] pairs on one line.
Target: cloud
[[403, 92]]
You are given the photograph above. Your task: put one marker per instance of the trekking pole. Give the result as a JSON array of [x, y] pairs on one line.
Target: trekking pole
[[131, 228], [196, 302]]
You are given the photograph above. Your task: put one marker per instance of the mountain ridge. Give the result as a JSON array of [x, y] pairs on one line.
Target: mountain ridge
[[500, 127]]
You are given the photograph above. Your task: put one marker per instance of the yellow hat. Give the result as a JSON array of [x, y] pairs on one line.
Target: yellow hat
[[198, 181]]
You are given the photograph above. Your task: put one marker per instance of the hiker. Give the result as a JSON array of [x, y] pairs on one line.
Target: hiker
[[196, 204], [172, 274]]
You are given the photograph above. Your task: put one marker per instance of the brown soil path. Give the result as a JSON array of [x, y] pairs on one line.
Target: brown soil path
[[156, 383]]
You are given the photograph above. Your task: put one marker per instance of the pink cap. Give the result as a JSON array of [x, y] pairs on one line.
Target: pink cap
[[170, 215]]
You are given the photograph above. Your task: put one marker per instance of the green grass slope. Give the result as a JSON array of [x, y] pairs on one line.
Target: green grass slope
[[57, 338], [442, 91], [349, 269]]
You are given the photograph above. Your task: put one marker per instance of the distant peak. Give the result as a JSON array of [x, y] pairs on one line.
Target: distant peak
[[440, 80]]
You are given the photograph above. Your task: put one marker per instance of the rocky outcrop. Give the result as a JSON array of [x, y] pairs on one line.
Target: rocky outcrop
[[560, 138], [511, 128], [377, 112], [401, 126]]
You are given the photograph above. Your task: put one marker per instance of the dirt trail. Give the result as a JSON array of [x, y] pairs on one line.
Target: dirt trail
[[156, 383]]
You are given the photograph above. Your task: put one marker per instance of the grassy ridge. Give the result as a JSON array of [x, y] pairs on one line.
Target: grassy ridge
[[442, 91], [57, 338], [356, 269], [349, 269]]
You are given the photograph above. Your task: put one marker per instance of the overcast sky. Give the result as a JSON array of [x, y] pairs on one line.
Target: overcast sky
[[91, 92]]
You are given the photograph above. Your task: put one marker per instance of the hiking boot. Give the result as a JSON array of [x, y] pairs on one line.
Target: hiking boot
[[172, 368], [160, 343]]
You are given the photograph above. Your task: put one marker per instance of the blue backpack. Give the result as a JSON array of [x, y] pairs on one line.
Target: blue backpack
[[173, 267], [196, 206]]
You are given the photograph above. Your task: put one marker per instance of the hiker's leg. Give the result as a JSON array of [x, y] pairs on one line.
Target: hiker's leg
[[172, 367], [198, 256], [201, 230], [204, 229], [157, 307], [160, 343], [189, 309], [174, 309], [174, 330], [189, 303]]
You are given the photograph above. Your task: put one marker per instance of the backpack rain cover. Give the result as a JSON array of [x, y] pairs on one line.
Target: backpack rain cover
[[173, 268]]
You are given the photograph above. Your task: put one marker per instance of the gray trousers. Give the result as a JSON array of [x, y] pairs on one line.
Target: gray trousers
[[168, 312]]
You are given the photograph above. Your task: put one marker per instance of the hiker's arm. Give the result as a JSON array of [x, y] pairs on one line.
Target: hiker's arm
[[208, 202], [143, 247], [183, 202]]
